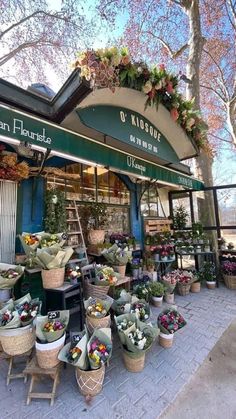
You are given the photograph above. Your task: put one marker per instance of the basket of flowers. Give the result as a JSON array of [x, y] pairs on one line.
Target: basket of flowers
[[97, 313], [184, 281], [136, 338], [169, 280], [100, 285], [169, 321], [50, 332], [229, 274], [53, 261]]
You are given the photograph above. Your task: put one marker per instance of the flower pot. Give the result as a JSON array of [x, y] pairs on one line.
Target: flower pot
[[96, 236], [47, 353], [53, 278], [135, 273], [95, 291], [93, 323], [133, 363], [207, 249], [120, 269], [157, 301], [90, 382], [198, 249], [17, 341], [195, 287], [156, 257], [211, 285], [230, 281], [169, 298], [166, 341], [183, 288], [172, 257], [164, 259]]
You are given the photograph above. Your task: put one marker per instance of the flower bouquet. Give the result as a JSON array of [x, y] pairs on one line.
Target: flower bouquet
[[50, 333], [29, 242], [136, 340], [9, 275], [169, 321], [141, 309], [169, 281], [97, 313], [9, 318], [124, 324], [49, 240], [118, 258], [105, 275], [75, 352], [184, 281], [28, 311], [143, 291], [229, 274], [99, 348], [52, 262], [72, 274], [123, 304]]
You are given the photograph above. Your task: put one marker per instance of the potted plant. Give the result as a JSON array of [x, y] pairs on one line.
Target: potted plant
[[171, 253], [97, 213], [169, 321], [135, 266], [207, 273], [157, 292], [150, 264], [207, 247], [229, 274], [222, 243], [169, 280], [230, 246], [147, 242], [196, 285], [180, 218]]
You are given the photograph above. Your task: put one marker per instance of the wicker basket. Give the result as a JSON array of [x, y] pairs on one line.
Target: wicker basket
[[211, 285], [95, 291], [120, 269], [166, 341], [53, 278], [133, 363], [157, 301], [183, 289], [230, 281], [17, 341], [169, 298], [195, 287], [47, 353], [90, 382], [93, 323]]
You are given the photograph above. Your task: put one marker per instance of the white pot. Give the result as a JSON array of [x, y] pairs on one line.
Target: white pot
[[211, 284], [157, 301], [198, 249], [51, 345], [169, 298], [207, 249], [156, 257], [166, 341], [165, 259]]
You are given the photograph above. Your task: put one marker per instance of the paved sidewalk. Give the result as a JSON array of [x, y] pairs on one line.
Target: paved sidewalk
[[128, 395]]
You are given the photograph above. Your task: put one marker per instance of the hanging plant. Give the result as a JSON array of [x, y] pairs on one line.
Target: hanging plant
[[55, 211]]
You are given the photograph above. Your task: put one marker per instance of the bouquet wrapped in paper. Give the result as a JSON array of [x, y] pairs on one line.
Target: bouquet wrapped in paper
[[169, 281], [124, 324], [9, 317], [9, 275], [99, 348], [28, 310], [117, 256], [143, 291], [105, 275], [75, 352], [123, 304], [141, 309], [52, 327], [30, 242], [184, 277], [51, 258], [98, 308], [51, 240], [139, 337], [170, 320]]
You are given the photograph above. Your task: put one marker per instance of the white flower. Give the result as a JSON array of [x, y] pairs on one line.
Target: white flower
[[146, 316], [147, 87], [33, 313], [158, 86]]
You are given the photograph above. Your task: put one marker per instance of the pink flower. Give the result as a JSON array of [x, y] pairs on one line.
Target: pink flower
[[162, 67], [174, 114], [169, 87]]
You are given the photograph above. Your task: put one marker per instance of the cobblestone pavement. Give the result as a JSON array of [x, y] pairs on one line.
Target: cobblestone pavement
[[128, 395]]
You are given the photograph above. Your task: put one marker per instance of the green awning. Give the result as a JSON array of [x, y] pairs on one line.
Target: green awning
[[27, 128]]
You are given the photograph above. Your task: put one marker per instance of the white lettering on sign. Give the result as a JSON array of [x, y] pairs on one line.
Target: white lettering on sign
[[18, 127], [143, 144], [4, 126], [185, 181], [140, 123], [131, 162]]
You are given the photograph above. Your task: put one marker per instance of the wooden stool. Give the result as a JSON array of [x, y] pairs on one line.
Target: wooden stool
[[35, 371], [12, 359]]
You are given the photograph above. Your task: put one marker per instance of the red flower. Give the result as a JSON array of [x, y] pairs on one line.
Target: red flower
[[169, 87], [174, 114]]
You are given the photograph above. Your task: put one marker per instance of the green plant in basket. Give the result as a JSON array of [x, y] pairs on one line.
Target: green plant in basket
[[143, 292], [157, 289]]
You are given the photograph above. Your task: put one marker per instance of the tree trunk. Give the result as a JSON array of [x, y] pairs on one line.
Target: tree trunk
[[203, 162]]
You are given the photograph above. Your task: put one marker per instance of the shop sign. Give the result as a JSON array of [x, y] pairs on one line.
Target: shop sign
[[130, 128], [23, 127]]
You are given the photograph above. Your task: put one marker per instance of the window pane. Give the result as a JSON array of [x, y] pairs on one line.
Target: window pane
[[117, 220], [186, 204], [73, 190], [227, 202], [203, 204], [229, 236], [56, 182]]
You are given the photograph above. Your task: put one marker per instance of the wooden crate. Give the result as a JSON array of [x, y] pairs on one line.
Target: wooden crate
[[154, 226]]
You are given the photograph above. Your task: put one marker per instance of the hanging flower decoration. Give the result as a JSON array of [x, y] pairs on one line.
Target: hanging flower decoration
[[111, 67], [10, 169]]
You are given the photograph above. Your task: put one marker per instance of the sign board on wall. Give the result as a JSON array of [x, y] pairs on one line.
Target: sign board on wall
[[130, 128]]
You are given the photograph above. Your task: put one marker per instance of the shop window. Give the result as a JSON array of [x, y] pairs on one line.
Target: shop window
[[150, 203], [226, 202]]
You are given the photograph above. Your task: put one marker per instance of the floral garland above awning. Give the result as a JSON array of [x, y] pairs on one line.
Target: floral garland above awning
[[10, 169], [111, 67]]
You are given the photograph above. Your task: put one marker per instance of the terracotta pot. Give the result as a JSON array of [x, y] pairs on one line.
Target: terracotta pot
[[166, 341], [157, 301], [211, 285], [195, 287], [170, 298], [96, 236]]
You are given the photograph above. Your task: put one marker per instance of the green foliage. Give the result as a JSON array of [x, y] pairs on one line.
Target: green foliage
[[55, 211], [96, 214], [157, 289], [197, 230], [207, 272], [180, 217]]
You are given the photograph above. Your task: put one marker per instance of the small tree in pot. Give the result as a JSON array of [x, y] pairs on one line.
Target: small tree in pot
[[96, 220], [157, 292]]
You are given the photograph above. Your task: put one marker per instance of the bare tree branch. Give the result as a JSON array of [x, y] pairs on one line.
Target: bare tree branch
[[172, 54]]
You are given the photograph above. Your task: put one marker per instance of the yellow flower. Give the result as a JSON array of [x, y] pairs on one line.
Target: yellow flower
[[147, 87], [116, 60], [85, 72]]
